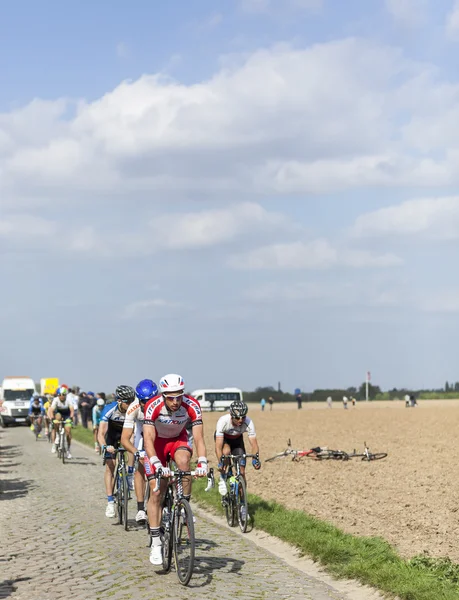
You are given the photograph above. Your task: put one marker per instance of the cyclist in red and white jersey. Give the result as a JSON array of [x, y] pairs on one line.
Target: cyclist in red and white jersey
[[164, 434]]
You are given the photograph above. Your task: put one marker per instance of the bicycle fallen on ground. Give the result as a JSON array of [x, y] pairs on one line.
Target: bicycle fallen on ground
[[325, 453]]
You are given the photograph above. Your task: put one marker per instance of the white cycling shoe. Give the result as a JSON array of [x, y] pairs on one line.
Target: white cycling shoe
[[141, 516], [69, 455], [156, 555], [110, 511], [222, 487]]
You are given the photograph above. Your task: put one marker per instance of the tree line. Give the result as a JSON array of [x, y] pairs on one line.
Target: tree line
[[451, 390]]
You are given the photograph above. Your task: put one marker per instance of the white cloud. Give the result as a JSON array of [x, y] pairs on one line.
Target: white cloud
[[433, 217], [267, 122], [407, 12], [316, 254], [148, 308], [22, 227], [443, 301], [208, 228]]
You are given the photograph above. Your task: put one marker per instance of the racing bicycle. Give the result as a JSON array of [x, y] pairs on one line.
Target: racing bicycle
[[177, 524], [61, 438], [367, 455], [121, 487], [318, 453], [235, 501]]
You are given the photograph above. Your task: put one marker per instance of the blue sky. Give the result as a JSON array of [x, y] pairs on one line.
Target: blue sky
[[244, 192]]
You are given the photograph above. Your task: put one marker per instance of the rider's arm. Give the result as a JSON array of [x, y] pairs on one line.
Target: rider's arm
[[149, 436], [254, 445], [103, 426], [126, 436], [72, 410], [219, 441], [198, 438], [51, 410]]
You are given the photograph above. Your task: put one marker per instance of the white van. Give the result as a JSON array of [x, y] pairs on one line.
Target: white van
[[217, 399], [15, 395]]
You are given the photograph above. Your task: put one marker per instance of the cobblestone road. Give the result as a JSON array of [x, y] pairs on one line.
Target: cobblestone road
[[56, 542]]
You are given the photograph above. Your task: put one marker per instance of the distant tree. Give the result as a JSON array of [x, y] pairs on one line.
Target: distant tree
[[456, 386], [446, 387]]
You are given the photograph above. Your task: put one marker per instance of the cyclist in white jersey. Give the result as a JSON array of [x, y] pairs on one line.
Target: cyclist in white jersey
[[229, 440], [145, 390], [61, 408]]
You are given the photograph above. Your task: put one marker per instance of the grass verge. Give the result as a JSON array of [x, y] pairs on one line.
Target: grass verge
[[85, 436], [370, 560]]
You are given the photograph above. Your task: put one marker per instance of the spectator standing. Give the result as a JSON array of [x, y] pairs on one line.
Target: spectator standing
[[85, 406], [345, 402], [73, 398], [271, 402], [329, 402], [263, 403], [299, 399]]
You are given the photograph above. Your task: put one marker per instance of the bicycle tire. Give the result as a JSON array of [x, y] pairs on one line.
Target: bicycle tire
[[126, 500], [375, 456], [241, 505], [63, 440], [281, 455], [167, 533], [230, 509], [184, 572]]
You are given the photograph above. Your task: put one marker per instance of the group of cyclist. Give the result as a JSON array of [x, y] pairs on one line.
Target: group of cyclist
[[51, 410], [157, 424]]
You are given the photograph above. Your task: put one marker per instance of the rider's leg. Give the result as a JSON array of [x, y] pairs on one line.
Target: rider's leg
[[182, 458], [68, 433]]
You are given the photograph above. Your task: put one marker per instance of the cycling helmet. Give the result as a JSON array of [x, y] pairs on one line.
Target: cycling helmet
[[100, 402], [62, 391], [171, 383], [146, 389], [124, 393], [238, 409]]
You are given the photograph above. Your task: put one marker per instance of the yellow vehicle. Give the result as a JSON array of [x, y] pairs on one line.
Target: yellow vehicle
[[49, 385]]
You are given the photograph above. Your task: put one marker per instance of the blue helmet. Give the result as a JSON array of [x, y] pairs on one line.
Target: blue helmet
[[146, 389]]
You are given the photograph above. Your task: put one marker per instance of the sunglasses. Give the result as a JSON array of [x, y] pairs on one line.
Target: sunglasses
[[173, 397]]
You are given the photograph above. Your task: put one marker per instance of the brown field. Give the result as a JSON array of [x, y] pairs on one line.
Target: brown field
[[411, 498]]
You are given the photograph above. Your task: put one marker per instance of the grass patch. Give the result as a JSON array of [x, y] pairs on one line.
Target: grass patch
[[370, 560], [85, 436]]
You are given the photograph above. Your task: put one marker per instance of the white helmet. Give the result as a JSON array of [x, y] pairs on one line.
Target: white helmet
[[100, 402], [171, 383]]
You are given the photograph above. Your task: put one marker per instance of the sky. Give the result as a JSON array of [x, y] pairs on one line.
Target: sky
[[244, 192]]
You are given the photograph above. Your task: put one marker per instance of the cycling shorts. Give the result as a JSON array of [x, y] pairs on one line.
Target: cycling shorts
[[236, 444], [166, 448]]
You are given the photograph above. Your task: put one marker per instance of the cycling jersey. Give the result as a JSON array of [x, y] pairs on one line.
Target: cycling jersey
[[36, 409], [134, 414], [113, 416], [63, 408], [134, 417], [172, 424], [226, 428]]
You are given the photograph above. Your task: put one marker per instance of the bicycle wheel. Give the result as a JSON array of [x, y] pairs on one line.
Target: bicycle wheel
[[125, 499], [241, 505], [376, 456], [63, 446], [119, 496], [230, 509], [281, 455], [184, 541], [167, 533]]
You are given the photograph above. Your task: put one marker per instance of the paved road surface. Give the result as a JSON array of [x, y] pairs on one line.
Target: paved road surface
[[56, 542]]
